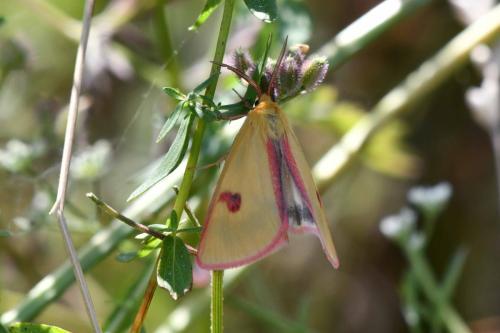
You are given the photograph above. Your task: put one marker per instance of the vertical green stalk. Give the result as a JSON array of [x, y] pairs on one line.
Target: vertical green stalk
[[217, 276], [217, 308], [194, 153], [164, 42], [423, 274]]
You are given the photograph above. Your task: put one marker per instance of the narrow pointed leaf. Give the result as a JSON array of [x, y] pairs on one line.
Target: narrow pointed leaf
[[150, 246], [170, 122], [199, 88], [265, 10], [175, 268], [34, 328], [171, 159], [210, 7], [174, 93]]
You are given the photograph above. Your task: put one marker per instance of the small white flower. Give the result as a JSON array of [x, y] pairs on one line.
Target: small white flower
[[18, 156], [430, 199], [399, 225], [469, 11], [92, 162]]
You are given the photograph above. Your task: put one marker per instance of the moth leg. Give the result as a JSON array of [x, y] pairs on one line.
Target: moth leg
[[216, 163]]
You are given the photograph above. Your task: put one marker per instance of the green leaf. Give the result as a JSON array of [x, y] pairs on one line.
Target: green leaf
[[174, 93], [210, 7], [265, 10], [2, 21], [173, 221], [171, 159], [158, 227], [150, 246], [5, 233], [143, 236], [171, 121], [202, 86], [175, 268], [126, 256], [2, 328], [34, 328]]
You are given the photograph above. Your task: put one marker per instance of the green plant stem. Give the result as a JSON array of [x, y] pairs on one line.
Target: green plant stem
[[187, 179], [114, 214], [217, 306], [418, 84], [423, 274], [164, 42]]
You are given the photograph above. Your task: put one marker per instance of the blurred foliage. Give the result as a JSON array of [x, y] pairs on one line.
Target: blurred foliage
[[294, 290]]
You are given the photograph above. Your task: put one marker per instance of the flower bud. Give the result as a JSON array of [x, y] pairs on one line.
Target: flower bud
[[298, 52], [289, 82], [244, 62], [313, 73]]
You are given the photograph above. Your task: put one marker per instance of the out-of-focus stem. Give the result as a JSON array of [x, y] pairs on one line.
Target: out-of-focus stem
[[417, 85]]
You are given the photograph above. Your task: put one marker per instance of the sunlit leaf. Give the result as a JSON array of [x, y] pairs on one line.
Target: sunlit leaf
[[34, 328], [150, 245], [265, 10], [174, 93], [210, 7], [175, 268], [171, 159]]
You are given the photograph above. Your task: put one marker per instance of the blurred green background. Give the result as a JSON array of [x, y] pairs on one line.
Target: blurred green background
[[296, 288]]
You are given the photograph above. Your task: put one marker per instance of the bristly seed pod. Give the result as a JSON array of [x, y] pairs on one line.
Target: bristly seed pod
[[289, 80], [244, 62], [313, 73], [299, 53]]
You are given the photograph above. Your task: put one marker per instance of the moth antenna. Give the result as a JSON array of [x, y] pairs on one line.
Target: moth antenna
[[241, 75], [276, 68]]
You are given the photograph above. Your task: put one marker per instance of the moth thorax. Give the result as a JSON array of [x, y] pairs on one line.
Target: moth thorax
[[275, 127]]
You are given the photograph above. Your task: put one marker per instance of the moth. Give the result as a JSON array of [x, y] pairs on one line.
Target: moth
[[264, 192]]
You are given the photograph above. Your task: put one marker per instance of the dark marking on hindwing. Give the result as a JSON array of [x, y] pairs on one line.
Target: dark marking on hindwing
[[297, 215], [232, 200]]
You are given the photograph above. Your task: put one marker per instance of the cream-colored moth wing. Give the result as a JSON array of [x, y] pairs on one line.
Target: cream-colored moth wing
[[243, 222]]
